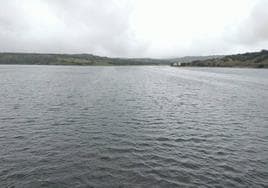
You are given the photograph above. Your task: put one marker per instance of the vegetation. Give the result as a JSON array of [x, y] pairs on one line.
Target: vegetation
[[73, 59], [187, 59], [255, 60]]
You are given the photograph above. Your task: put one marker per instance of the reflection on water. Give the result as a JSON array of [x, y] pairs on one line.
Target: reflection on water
[[63, 126]]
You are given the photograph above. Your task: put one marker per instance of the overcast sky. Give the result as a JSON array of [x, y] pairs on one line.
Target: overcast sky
[[134, 28]]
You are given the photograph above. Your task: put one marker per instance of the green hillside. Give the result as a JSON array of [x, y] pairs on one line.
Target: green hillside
[[73, 59], [254, 59]]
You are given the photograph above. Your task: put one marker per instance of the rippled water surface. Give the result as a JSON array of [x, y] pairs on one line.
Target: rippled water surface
[[133, 126]]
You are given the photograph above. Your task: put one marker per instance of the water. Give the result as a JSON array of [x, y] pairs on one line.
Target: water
[[133, 126]]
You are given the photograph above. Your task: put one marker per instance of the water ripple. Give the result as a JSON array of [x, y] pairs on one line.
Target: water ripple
[[63, 126]]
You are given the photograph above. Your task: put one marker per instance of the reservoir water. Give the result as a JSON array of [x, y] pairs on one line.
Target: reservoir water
[[133, 126]]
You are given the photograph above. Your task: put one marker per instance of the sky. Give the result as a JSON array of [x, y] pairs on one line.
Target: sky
[[134, 28]]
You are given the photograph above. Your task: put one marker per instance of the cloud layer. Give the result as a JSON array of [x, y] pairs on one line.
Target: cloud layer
[[134, 28]]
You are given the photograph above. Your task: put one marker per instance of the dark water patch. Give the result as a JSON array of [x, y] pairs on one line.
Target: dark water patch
[[162, 139]]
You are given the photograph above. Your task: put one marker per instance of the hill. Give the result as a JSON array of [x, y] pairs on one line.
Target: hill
[[187, 59], [253, 59], [74, 59]]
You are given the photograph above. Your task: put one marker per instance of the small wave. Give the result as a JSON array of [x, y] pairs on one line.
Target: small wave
[[195, 140], [162, 139]]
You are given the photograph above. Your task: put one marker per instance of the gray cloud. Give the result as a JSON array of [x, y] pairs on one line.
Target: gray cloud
[[252, 33], [106, 27], [56, 26], [255, 29]]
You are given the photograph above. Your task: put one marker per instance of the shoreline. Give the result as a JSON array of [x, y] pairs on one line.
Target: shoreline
[[242, 67]]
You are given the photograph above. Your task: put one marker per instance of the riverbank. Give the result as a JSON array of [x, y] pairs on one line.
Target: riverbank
[[246, 60]]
